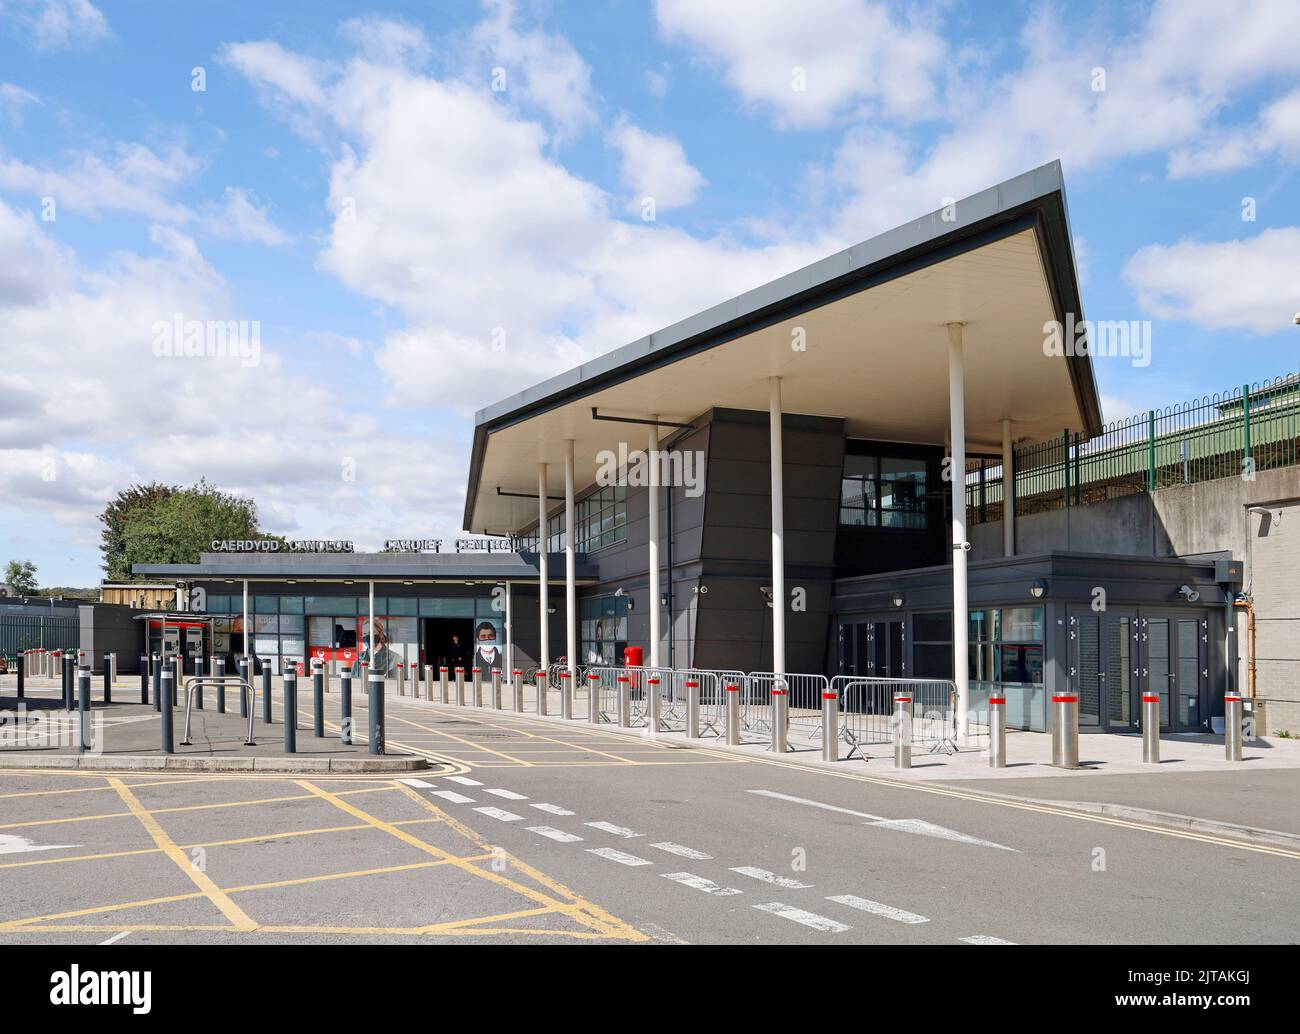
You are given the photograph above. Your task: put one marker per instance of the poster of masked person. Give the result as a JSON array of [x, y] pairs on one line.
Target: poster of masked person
[[383, 658], [488, 653]]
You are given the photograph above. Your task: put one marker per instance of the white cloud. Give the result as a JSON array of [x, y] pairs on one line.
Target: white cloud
[[132, 178], [809, 62], [544, 69], [1247, 284], [655, 166], [78, 367], [1275, 133], [13, 99], [55, 24], [241, 218]]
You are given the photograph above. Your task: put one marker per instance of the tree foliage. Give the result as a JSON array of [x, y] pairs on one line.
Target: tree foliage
[[162, 525], [20, 578]]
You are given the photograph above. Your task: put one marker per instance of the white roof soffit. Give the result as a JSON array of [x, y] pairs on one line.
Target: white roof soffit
[[876, 352]]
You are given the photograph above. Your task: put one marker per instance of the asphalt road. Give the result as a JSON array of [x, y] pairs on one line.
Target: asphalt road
[[537, 832]]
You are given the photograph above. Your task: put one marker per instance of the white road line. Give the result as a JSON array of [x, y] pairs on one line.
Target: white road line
[[687, 879], [465, 780], [509, 795], [453, 796], [684, 852], [417, 782], [617, 856], [798, 915], [919, 826], [551, 809], [877, 909], [770, 877], [497, 813], [551, 833], [116, 937], [618, 831], [980, 938]]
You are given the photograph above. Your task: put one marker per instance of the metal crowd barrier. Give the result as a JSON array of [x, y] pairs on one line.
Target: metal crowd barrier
[[866, 711]]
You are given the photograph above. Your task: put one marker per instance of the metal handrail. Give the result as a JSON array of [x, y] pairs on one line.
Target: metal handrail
[[218, 680]]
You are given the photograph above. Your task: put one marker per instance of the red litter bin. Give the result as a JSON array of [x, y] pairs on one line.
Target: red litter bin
[[633, 657]]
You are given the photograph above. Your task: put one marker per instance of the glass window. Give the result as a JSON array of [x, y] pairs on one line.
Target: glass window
[[887, 492], [1021, 664], [290, 604], [265, 623], [321, 604], [403, 605], [934, 627], [265, 604], [1022, 624], [454, 607], [218, 604], [291, 623]]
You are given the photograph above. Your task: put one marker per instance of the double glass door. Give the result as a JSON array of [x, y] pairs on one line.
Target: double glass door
[[873, 648], [1115, 657]]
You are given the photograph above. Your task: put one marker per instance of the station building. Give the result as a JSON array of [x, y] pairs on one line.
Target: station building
[[769, 486]]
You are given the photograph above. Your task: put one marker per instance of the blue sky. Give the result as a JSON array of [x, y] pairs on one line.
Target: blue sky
[[349, 178]]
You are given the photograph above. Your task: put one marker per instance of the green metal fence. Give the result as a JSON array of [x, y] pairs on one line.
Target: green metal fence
[[1233, 434], [20, 632]]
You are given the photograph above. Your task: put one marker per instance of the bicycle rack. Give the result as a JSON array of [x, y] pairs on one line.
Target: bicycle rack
[[227, 681]]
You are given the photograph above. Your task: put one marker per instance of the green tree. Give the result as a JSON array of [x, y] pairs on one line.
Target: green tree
[[175, 529], [20, 578], [133, 500]]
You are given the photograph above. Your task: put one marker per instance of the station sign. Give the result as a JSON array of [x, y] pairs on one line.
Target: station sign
[[282, 546]]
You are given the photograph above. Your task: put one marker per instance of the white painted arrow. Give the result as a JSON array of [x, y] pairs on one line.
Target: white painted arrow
[[21, 845], [919, 826]]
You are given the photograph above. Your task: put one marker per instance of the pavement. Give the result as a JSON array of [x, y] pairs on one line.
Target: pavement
[[534, 831]]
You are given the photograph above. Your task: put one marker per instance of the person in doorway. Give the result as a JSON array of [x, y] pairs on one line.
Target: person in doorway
[[487, 650], [456, 652]]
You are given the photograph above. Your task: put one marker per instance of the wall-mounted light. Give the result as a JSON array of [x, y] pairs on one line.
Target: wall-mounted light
[[550, 610], [408, 583], [663, 600], [898, 600], [1038, 588], [702, 590]]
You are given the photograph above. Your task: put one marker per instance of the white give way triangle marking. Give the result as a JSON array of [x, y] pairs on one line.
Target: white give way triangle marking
[[925, 829], [21, 845]]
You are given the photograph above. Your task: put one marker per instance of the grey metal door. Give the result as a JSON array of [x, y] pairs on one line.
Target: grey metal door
[[1103, 668], [1174, 667]]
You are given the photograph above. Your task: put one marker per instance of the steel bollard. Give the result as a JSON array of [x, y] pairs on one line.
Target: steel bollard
[[624, 702], [165, 680], [1232, 718], [517, 690], [780, 718], [376, 713], [442, 685], [21, 664], [692, 709], [242, 667], [997, 732], [144, 679], [653, 705], [476, 676], [1065, 730], [415, 680], [428, 683], [112, 666], [325, 678], [155, 666], [68, 672], [541, 693], [496, 689], [902, 731], [219, 669], [108, 679], [290, 688], [318, 701], [593, 698], [830, 726], [198, 690], [733, 714], [460, 687], [83, 710], [401, 679], [566, 695], [266, 694], [178, 673], [1150, 729], [345, 707]]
